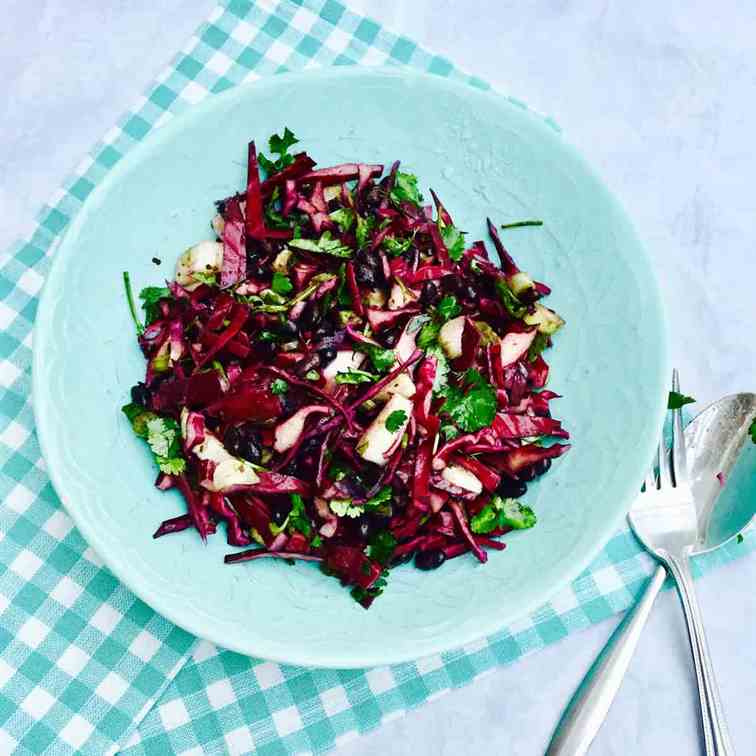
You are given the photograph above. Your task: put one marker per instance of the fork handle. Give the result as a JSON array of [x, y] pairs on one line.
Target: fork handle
[[589, 706], [716, 736]]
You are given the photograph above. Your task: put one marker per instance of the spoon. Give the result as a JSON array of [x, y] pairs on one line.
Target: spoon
[[713, 442]]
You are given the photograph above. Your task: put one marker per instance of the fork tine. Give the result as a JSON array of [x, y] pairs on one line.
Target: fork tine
[[679, 460], [665, 471], [649, 481]]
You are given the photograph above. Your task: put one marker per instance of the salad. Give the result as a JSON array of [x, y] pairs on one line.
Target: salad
[[339, 376]]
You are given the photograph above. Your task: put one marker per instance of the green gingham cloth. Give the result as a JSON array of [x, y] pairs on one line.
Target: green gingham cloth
[[85, 666]]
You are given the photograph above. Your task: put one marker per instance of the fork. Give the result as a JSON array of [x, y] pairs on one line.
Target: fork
[[664, 519]]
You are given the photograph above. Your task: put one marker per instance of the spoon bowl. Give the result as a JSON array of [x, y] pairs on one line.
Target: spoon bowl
[[715, 443]]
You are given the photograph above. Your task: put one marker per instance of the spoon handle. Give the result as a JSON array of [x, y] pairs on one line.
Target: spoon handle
[[589, 706], [716, 736]]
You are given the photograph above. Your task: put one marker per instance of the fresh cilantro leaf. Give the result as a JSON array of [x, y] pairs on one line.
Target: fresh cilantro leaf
[[355, 376], [454, 239], [344, 508], [381, 547], [206, 278], [428, 335], [509, 299], [312, 375], [448, 307], [396, 247], [364, 227], [450, 431], [281, 284], [540, 342], [279, 386], [405, 189], [752, 431], [383, 359], [316, 542], [162, 435], [503, 513], [273, 217], [381, 501], [151, 296], [442, 367], [513, 514], [485, 521], [173, 466], [471, 410], [298, 519], [343, 217], [278, 145], [676, 400], [395, 420], [326, 244]]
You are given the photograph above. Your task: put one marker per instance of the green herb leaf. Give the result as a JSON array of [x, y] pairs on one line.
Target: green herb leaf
[[396, 247], [326, 244], [485, 521], [364, 227], [173, 466], [279, 386], [752, 431], [344, 508], [383, 359], [381, 547], [428, 335], [151, 296], [448, 307], [298, 519], [739, 539], [454, 239], [395, 420], [355, 376], [130, 300], [162, 435], [338, 471], [471, 410], [676, 400], [281, 283], [206, 278], [522, 224], [405, 189], [513, 514], [278, 145], [312, 375], [343, 217], [381, 502], [316, 542]]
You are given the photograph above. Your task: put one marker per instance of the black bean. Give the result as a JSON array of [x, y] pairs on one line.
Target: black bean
[[469, 292], [527, 474], [243, 441], [390, 338], [287, 329], [451, 284], [140, 394], [429, 294], [310, 316], [254, 269], [542, 466], [327, 355], [430, 560], [511, 489]]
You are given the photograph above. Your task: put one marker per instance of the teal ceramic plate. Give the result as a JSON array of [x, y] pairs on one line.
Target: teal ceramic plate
[[485, 156]]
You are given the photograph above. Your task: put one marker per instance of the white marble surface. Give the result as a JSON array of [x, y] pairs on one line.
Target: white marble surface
[[660, 96]]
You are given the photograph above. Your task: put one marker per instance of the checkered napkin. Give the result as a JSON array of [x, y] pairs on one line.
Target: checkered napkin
[[85, 666]]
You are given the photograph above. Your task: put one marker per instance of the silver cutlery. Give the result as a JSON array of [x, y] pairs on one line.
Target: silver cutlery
[[675, 517]]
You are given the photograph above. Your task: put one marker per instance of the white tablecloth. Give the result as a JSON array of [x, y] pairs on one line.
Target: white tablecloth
[[660, 97]]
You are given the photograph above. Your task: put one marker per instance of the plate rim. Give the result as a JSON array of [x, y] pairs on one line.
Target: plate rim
[[437, 644]]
